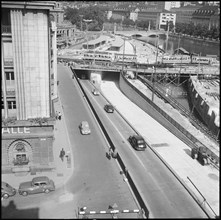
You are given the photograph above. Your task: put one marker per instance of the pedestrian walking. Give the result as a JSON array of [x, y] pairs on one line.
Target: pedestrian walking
[[59, 115], [62, 154]]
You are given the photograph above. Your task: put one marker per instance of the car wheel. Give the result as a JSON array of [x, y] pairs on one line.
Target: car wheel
[[24, 193], [5, 196], [47, 191]]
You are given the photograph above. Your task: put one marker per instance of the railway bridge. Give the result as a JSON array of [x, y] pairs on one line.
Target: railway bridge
[[149, 33]]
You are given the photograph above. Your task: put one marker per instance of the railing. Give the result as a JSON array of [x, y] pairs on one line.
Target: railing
[[6, 29]]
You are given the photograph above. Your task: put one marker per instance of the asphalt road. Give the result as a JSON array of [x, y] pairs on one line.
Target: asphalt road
[[97, 182], [165, 196]]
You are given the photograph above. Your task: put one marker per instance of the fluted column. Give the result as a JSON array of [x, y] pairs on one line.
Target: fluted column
[[30, 39], [18, 57], [4, 84]]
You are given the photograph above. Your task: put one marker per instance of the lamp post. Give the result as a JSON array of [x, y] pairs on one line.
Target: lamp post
[[154, 71]]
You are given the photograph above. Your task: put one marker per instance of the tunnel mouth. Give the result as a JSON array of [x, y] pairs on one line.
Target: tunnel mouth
[[105, 75], [136, 35]]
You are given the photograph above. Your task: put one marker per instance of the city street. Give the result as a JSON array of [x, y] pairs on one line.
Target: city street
[[94, 178]]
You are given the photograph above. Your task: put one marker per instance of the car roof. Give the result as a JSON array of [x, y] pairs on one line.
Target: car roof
[[40, 178], [109, 105], [138, 137]]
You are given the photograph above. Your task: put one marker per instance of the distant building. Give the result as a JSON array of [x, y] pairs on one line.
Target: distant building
[[29, 85], [121, 11], [165, 17], [169, 5], [58, 13], [207, 15], [151, 14], [184, 14], [65, 30], [134, 15]]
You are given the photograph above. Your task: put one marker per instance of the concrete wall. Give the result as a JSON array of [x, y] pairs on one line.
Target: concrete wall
[[154, 111]]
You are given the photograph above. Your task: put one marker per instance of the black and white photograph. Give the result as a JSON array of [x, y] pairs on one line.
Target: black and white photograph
[[110, 109]]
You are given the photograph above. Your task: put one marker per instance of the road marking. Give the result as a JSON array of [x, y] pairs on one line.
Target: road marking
[[125, 140]]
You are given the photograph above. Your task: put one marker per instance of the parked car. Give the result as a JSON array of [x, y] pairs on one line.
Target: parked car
[[109, 108], [137, 142], [40, 184], [7, 190], [85, 128], [95, 92]]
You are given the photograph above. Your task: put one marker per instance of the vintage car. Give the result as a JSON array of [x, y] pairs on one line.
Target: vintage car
[[95, 92], [41, 184], [7, 190], [109, 108], [85, 128], [137, 142]]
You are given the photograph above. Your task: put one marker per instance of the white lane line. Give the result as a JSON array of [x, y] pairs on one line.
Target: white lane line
[[125, 140]]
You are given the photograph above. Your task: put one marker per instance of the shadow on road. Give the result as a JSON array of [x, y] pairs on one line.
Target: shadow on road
[[11, 212]]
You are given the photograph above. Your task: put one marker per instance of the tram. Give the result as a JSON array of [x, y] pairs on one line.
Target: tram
[[105, 56], [187, 59]]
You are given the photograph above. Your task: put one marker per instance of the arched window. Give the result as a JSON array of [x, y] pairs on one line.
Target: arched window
[[20, 154]]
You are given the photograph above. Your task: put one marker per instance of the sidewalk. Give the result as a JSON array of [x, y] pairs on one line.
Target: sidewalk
[[64, 169]]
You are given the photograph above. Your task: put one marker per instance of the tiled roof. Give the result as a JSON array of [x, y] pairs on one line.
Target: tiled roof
[[206, 10]]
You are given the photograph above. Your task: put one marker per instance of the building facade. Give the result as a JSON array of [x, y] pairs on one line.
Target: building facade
[[207, 15], [184, 14], [165, 17], [65, 31], [152, 15], [170, 5], [28, 71]]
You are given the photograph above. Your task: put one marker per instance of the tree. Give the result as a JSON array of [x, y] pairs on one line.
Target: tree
[[128, 22], [94, 13]]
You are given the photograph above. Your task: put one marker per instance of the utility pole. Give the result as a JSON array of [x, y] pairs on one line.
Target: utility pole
[[154, 71], [167, 36], [198, 66], [178, 44]]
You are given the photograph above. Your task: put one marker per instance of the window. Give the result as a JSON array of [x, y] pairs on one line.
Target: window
[[36, 184], [43, 184], [9, 76], [2, 104], [11, 104]]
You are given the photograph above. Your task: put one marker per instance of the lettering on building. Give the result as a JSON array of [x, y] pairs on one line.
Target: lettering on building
[[16, 130]]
